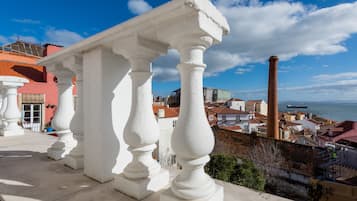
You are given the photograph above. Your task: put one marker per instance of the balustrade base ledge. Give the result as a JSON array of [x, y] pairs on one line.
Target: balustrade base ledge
[[74, 162], [8, 133], [58, 154], [168, 195], [142, 188]]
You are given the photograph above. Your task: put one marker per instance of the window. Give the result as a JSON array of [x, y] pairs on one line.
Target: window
[[31, 116]]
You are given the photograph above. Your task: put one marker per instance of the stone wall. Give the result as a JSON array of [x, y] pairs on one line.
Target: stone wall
[[297, 163], [298, 159]]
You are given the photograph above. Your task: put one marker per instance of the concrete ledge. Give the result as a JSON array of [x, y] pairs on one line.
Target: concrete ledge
[[142, 188], [8, 133], [167, 195], [74, 162]]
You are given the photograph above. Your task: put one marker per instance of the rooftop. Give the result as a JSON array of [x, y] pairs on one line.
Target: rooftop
[[25, 48], [225, 110], [28, 175], [169, 111]]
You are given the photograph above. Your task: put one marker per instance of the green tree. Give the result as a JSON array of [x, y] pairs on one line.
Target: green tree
[[227, 168], [221, 167]]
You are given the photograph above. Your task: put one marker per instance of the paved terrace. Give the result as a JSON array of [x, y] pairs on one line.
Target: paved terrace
[[28, 175]]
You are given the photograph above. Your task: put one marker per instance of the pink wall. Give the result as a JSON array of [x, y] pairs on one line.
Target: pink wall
[[49, 89]]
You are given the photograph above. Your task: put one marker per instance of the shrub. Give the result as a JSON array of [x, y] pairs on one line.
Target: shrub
[[221, 167], [228, 169], [248, 175]]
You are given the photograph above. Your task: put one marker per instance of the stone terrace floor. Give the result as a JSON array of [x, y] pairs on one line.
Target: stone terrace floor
[[26, 174]]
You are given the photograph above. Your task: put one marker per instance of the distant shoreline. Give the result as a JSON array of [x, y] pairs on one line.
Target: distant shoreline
[[336, 111]]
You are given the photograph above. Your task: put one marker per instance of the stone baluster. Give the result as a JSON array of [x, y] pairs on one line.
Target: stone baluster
[[12, 113], [143, 175], [75, 158], [3, 107], [192, 139], [63, 116]]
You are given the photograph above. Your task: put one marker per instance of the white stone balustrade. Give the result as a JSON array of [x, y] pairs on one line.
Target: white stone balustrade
[[63, 115], [3, 107], [143, 175], [10, 111], [117, 102], [75, 159]]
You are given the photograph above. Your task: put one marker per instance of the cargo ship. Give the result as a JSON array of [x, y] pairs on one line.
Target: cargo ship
[[297, 106]]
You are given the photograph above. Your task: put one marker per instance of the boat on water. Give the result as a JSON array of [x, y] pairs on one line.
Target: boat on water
[[297, 106]]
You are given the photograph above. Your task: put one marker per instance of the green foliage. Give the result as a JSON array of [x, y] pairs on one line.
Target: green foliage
[[248, 175], [226, 168], [221, 167]]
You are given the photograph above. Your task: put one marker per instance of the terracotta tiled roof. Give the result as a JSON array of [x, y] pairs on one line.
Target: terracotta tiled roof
[[260, 116], [254, 101], [235, 99], [351, 139], [232, 128], [169, 112], [255, 121], [289, 123], [225, 110], [343, 130]]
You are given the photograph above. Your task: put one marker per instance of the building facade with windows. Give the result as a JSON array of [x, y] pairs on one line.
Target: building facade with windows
[[37, 100]]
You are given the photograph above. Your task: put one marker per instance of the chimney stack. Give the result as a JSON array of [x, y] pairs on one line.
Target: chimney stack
[[273, 113]]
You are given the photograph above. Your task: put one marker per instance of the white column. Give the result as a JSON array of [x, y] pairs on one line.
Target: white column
[[143, 175], [75, 158], [12, 113], [192, 139], [63, 116], [3, 107]]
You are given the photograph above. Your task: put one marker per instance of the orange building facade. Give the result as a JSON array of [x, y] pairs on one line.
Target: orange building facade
[[37, 100]]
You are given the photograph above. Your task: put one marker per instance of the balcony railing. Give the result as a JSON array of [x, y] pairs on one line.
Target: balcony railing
[[113, 131]]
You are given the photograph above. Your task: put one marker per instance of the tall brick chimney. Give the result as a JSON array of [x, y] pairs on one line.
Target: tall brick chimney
[[273, 113]]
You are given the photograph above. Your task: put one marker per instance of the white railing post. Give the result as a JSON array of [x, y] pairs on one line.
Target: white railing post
[[143, 175], [192, 139], [63, 116], [75, 158], [11, 114]]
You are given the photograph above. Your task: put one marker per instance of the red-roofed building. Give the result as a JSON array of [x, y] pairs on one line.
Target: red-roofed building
[[259, 106], [166, 118], [223, 116], [38, 98], [236, 104], [232, 128], [344, 133]]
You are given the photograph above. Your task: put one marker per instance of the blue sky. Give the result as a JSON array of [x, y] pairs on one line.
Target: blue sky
[[315, 40]]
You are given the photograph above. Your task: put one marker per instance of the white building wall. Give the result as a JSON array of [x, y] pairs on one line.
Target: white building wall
[[237, 105], [306, 124], [166, 128], [263, 108]]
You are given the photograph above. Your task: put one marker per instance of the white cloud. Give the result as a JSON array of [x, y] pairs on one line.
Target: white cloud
[[243, 70], [165, 67], [26, 21], [3, 40], [62, 37], [56, 36], [334, 77], [340, 90], [341, 86], [286, 29], [138, 6]]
